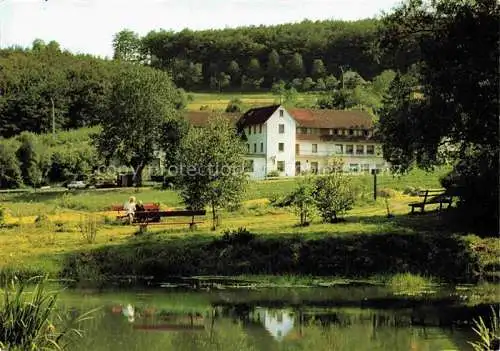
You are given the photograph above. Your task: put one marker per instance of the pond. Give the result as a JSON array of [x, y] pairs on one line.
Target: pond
[[331, 318]]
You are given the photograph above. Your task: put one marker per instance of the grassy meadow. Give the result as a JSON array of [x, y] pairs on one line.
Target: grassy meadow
[[42, 228], [219, 101]]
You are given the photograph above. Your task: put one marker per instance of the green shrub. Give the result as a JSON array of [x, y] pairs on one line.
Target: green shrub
[[239, 236], [334, 196], [2, 216], [274, 173], [88, 228]]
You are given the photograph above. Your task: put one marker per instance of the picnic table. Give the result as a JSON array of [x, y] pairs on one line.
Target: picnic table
[[433, 196]]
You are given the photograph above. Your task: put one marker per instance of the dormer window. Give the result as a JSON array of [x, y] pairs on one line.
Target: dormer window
[[250, 130], [281, 113], [260, 128], [351, 132]]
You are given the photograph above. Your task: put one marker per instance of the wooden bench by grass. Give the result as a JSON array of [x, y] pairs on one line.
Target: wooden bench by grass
[[148, 208], [432, 196], [147, 218]]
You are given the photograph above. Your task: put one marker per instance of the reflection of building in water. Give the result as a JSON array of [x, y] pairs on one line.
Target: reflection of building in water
[[278, 323]]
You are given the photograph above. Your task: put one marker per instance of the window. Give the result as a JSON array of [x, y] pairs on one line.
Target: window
[[314, 148], [349, 149], [255, 129], [281, 166], [261, 147], [281, 128], [339, 149], [260, 128], [297, 149], [254, 148], [249, 130], [339, 131], [354, 167], [248, 148], [281, 146], [360, 149], [365, 168], [248, 165], [351, 132], [281, 113], [370, 149], [303, 130]]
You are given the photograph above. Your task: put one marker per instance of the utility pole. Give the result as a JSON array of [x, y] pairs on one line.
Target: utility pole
[[374, 173]]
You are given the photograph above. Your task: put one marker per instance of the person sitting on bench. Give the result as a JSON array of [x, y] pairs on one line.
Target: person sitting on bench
[[130, 208], [140, 206]]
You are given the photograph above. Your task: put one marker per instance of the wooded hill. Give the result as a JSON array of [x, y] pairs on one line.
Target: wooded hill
[[250, 58]]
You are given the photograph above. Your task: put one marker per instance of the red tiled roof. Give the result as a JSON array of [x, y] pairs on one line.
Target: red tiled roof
[[257, 115], [200, 118], [332, 119]]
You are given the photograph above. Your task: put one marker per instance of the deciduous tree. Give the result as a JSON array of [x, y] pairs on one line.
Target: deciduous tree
[[211, 170], [142, 100]]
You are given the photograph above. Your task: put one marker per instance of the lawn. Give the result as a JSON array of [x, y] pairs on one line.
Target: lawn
[[219, 101], [42, 246]]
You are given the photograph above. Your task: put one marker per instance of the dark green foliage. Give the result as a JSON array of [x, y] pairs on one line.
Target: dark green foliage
[[447, 257], [127, 46], [36, 83], [144, 98], [334, 195], [29, 160], [234, 105], [303, 202], [445, 108], [210, 171], [10, 172], [241, 236], [283, 52]]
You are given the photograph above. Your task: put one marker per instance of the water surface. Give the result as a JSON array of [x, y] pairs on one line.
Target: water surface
[[334, 318]]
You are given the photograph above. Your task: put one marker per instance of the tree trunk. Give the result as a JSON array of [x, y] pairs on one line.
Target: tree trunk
[[214, 217], [137, 180]]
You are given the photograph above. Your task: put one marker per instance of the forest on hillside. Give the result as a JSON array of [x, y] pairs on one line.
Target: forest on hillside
[[306, 55]]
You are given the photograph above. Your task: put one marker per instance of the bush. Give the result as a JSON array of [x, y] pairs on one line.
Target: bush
[[303, 201], [88, 228], [2, 216], [274, 173], [204, 108], [334, 196], [239, 236], [234, 105]]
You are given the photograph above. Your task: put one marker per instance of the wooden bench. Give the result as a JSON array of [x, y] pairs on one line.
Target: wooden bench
[[147, 218], [436, 196], [148, 208]]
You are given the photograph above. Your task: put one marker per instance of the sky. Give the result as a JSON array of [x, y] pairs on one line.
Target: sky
[[88, 26]]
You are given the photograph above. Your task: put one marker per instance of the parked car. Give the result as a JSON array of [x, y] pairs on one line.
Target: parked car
[[77, 184]]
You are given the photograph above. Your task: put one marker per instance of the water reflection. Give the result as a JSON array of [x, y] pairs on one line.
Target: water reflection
[[202, 321]]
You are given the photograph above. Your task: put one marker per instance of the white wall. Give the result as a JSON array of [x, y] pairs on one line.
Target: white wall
[[326, 150], [274, 138]]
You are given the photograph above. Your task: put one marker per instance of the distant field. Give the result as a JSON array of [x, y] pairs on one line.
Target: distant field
[[219, 101]]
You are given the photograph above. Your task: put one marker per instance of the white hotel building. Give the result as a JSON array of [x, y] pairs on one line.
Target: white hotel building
[[291, 141]]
